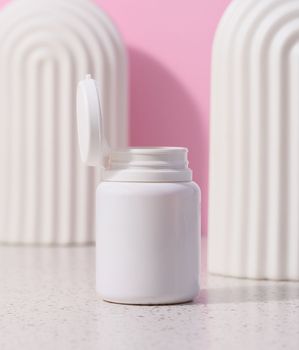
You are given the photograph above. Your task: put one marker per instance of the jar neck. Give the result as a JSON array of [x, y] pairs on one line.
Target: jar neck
[[163, 164]]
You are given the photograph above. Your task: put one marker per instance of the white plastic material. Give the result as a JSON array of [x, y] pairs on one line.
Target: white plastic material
[[254, 174], [147, 215], [160, 164], [46, 46], [148, 242], [90, 123]]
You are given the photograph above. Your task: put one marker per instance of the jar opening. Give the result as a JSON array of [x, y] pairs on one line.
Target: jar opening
[[148, 164]]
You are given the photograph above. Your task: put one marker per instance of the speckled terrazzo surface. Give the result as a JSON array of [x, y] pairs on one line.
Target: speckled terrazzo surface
[[47, 301]]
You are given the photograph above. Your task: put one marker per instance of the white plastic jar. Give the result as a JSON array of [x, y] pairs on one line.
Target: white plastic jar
[[148, 222]]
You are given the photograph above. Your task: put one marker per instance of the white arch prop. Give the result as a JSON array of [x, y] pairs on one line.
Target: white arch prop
[[254, 162], [46, 46]]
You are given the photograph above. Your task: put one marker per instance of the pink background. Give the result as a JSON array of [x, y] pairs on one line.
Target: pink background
[[169, 46]]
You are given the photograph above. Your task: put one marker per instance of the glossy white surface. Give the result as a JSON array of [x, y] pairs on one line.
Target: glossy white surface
[[148, 242], [48, 301]]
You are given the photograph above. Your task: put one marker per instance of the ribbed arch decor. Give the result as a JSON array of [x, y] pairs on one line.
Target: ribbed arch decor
[[46, 47], [254, 159]]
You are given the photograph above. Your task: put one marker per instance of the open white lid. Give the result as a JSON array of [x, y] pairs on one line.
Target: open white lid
[[92, 142], [144, 164]]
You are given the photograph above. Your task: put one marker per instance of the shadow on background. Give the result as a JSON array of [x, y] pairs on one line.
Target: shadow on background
[[163, 113]]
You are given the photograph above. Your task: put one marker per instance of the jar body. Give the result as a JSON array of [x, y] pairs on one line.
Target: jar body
[[148, 242]]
